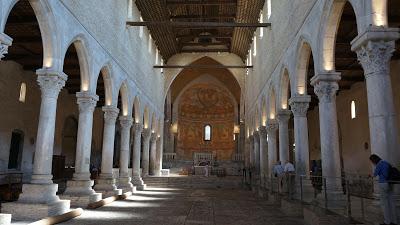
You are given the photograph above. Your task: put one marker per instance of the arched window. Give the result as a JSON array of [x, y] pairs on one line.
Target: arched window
[[207, 133], [22, 92], [353, 110]]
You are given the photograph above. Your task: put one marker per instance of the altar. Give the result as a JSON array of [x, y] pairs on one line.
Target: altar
[[201, 170]]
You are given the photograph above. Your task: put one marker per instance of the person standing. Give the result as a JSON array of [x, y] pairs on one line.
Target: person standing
[[278, 173], [388, 205], [289, 176]]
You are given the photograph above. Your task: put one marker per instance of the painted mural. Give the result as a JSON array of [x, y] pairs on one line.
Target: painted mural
[[201, 105]]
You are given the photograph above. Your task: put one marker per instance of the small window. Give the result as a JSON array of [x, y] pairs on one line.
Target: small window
[[261, 21], [141, 28], [269, 8], [353, 110], [255, 46], [207, 133], [22, 93], [130, 9]]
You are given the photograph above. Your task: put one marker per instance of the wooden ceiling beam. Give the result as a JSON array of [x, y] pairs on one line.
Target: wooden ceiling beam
[[205, 66], [201, 2], [204, 50], [185, 17], [202, 25]]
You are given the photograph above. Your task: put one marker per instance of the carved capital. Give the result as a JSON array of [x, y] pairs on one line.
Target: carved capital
[[153, 137], [326, 86], [87, 101], [375, 57], [299, 105], [146, 134], [110, 114], [256, 136], [5, 42], [283, 116], [272, 126], [51, 82], [263, 132], [126, 122], [137, 128]]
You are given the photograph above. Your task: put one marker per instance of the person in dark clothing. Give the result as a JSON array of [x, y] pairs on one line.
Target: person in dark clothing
[[388, 205]]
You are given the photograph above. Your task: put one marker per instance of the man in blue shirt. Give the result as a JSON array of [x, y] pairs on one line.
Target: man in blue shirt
[[388, 205]]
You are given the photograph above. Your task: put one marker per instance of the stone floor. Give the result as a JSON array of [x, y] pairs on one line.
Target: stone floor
[[188, 206]]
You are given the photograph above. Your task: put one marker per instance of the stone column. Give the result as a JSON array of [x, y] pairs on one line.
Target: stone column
[[159, 155], [251, 151], [5, 42], [283, 119], [325, 87], [299, 105], [146, 134], [256, 152], [124, 181], [263, 155], [272, 127], [81, 186], [106, 181], [40, 194], [153, 154], [374, 49], [136, 176]]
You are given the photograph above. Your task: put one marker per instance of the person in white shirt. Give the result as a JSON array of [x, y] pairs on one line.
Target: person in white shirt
[[279, 172], [289, 177]]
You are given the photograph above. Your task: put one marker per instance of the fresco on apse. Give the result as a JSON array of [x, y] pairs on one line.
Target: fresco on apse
[[200, 105]]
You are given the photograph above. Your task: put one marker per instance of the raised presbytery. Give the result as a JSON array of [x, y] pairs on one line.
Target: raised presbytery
[[222, 112]]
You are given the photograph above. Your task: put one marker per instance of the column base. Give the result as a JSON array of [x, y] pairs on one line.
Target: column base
[[5, 219], [125, 184], [80, 193], [36, 202], [107, 187], [138, 182]]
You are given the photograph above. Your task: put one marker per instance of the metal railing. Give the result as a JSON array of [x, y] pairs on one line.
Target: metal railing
[[348, 196]]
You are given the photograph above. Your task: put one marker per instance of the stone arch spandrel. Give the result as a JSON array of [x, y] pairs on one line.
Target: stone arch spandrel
[[52, 57]]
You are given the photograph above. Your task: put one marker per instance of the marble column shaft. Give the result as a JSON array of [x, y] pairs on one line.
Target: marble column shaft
[[283, 119], [263, 154], [374, 49], [146, 135], [110, 118], [153, 154], [126, 124], [51, 83], [87, 103], [251, 150], [159, 155], [136, 149], [326, 87], [299, 105], [272, 127], [256, 152]]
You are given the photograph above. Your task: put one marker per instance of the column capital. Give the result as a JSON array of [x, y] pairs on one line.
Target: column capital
[[138, 128], [375, 34], [153, 137], [263, 131], [110, 114], [51, 82], [126, 122], [5, 42], [87, 101], [283, 115], [256, 135], [326, 86], [146, 133], [299, 105], [272, 126]]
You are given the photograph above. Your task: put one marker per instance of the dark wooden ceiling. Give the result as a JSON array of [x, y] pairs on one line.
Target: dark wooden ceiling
[[173, 40]]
